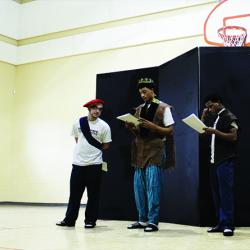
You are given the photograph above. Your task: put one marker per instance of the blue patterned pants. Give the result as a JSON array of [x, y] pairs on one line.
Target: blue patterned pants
[[147, 188]]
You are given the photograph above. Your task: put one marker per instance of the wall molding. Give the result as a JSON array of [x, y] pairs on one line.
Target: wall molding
[[99, 26], [36, 204], [8, 40], [23, 1], [163, 26]]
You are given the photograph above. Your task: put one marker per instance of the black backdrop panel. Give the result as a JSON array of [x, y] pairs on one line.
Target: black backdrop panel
[[121, 96], [226, 71], [178, 86], [183, 83]]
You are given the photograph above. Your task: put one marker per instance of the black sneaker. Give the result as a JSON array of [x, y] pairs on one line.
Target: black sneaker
[[89, 225], [64, 224], [216, 229], [151, 228], [228, 232], [137, 225]]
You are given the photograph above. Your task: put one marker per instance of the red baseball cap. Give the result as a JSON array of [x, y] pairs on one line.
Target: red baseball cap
[[95, 101]]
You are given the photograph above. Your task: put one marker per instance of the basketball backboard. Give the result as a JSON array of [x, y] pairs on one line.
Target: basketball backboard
[[227, 13]]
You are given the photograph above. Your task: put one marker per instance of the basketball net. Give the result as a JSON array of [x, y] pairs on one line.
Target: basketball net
[[233, 36]]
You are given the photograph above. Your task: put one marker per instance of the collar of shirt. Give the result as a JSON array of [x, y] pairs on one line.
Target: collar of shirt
[[155, 100], [221, 111]]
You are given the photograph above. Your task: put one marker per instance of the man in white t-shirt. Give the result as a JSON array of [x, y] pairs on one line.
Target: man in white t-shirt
[[92, 136]]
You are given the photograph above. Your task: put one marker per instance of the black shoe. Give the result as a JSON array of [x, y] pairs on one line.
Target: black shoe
[[64, 224], [228, 232], [137, 225], [151, 228], [216, 229], [89, 225]]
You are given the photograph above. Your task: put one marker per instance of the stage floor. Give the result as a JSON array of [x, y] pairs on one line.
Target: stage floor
[[33, 228]]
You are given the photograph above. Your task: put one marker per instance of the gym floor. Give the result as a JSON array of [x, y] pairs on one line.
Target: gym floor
[[33, 228]]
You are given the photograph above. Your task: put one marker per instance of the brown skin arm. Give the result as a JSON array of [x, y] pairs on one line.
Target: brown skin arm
[[155, 128], [231, 136], [105, 146], [204, 114]]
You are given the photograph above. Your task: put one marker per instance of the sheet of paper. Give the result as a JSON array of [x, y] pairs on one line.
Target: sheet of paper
[[105, 166], [129, 118], [195, 123]]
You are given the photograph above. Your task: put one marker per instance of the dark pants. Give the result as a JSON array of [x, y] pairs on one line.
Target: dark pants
[[81, 177], [222, 182]]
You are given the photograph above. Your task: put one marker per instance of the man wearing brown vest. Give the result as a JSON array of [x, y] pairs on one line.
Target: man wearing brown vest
[[153, 137]]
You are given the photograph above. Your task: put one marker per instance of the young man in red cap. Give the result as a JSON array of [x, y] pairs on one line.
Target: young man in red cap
[[92, 136], [152, 150]]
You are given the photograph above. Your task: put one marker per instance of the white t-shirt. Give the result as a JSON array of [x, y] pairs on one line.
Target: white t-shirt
[[167, 117], [84, 153]]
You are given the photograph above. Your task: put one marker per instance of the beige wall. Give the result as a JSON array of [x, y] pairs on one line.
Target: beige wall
[[56, 73], [49, 96], [7, 78], [43, 94]]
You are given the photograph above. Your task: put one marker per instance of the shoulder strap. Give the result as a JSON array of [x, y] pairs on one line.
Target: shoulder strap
[[86, 132]]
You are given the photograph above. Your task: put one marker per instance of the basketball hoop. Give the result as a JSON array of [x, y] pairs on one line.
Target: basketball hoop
[[233, 36]]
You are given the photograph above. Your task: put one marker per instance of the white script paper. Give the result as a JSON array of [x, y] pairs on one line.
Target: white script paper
[[129, 118], [195, 123]]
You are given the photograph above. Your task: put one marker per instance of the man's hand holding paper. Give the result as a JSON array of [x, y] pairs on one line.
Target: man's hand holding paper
[[147, 124]]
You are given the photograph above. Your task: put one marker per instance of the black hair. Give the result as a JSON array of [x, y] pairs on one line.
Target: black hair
[[146, 82], [213, 98], [147, 85]]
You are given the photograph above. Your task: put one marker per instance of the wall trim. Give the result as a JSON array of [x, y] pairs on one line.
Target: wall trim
[[112, 49], [104, 50], [100, 26], [8, 40], [37, 204], [23, 1]]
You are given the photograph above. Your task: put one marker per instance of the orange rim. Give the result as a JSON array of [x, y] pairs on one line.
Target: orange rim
[[205, 25]]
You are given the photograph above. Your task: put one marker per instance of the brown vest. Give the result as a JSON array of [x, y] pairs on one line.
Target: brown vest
[[149, 150]]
